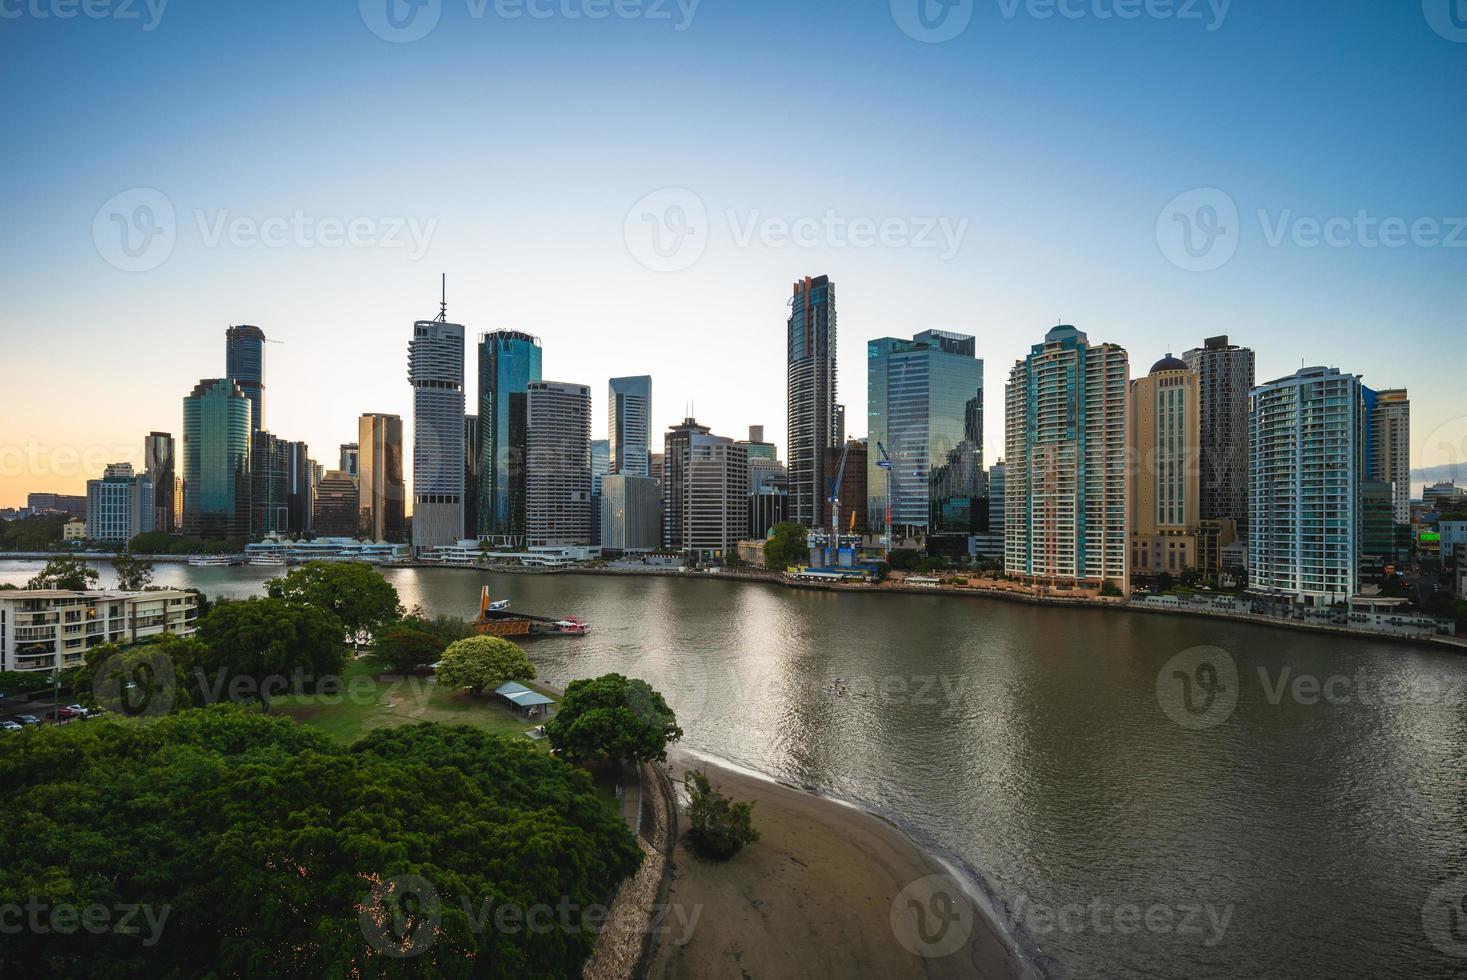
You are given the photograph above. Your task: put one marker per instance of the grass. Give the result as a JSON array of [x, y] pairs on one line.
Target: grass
[[365, 704]]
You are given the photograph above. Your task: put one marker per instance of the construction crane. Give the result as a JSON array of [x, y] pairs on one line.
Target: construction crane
[[832, 547], [885, 463]]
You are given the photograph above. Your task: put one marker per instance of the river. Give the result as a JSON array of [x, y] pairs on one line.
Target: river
[[1299, 834]]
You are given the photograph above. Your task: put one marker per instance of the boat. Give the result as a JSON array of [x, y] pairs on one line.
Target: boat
[[274, 561], [499, 605], [217, 561], [573, 625]]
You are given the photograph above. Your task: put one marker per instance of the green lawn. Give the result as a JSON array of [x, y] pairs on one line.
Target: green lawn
[[365, 704]]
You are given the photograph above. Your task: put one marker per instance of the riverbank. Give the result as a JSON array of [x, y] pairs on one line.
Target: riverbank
[[827, 891]]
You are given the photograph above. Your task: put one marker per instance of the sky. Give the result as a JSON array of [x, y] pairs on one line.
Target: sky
[[639, 182]]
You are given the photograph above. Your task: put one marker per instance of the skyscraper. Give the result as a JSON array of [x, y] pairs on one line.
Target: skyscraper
[[715, 507], [508, 362], [380, 489], [631, 513], [600, 469], [629, 413], [269, 485], [1164, 435], [159, 460], [244, 363], [350, 459], [337, 511], [1224, 378], [558, 472], [925, 406], [813, 422], [436, 372], [1306, 464], [300, 479], [120, 505], [1065, 446], [216, 460], [471, 475], [757, 447], [674, 464], [1389, 438]]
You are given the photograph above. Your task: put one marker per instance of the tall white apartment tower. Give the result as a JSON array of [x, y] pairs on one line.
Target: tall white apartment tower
[[436, 372], [558, 464]]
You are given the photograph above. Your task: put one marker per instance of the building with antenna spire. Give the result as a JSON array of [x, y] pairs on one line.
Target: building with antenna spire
[[436, 372]]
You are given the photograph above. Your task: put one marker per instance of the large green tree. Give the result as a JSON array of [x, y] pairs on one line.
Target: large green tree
[[483, 662], [786, 547], [134, 574], [65, 573], [403, 648], [353, 592], [612, 717], [257, 847], [264, 647]]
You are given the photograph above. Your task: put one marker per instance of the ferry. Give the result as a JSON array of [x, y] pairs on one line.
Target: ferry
[[274, 561], [572, 625], [499, 605], [212, 561]]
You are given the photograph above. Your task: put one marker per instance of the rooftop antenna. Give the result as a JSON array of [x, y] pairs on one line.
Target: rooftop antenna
[[443, 303]]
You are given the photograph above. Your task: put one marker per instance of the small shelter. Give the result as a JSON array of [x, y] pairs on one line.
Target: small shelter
[[525, 702]]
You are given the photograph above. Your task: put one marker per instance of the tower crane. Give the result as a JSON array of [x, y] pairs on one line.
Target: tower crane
[[832, 547], [885, 463]]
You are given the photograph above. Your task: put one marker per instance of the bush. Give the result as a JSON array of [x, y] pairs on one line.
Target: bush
[[718, 826]]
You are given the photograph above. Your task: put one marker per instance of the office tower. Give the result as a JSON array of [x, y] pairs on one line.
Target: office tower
[[853, 493], [244, 363], [629, 414], [631, 513], [674, 462], [1377, 529], [381, 494], [471, 476], [811, 391], [300, 483], [924, 406], [1388, 453], [159, 460], [337, 506], [1306, 463], [436, 372], [269, 486], [769, 496], [1164, 435], [757, 447], [508, 362], [216, 460], [1224, 379], [600, 468], [558, 470], [120, 506], [350, 459], [715, 482], [1065, 478]]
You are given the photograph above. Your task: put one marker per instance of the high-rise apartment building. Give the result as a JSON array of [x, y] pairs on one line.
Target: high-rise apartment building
[[120, 506], [381, 494], [674, 466], [1164, 434], [813, 422], [160, 463], [1388, 449], [558, 470], [216, 460], [1306, 464], [508, 362], [244, 363], [629, 415], [1065, 475], [715, 515], [436, 372], [1225, 375], [924, 401]]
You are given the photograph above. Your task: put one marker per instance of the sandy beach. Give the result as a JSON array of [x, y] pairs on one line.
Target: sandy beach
[[828, 891]]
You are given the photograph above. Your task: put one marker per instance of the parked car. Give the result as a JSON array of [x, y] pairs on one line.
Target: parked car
[[27, 719], [78, 711], [10, 726], [65, 714]]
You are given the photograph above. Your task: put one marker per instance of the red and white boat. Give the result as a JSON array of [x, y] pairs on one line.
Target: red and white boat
[[574, 625]]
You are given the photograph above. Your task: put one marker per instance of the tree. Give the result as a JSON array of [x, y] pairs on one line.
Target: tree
[[71, 574], [718, 826], [155, 677], [353, 592], [134, 574], [403, 648], [484, 662], [612, 717], [265, 646], [275, 852], [446, 628], [155, 543], [786, 547]]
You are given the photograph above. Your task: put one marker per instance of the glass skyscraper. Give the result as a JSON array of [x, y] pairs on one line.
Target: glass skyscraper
[[925, 407], [216, 460], [629, 412], [508, 362], [244, 362], [812, 419]]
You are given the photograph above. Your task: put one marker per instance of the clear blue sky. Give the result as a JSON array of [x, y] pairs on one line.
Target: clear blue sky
[[524, 144]]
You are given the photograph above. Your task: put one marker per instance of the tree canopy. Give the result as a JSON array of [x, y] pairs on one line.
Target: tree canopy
[[786, 547], [134, 574], [65, 573], [353, 592], [258, 847], [612, 717], [717, 825], [403, 648], [483, 662], [261, 647]]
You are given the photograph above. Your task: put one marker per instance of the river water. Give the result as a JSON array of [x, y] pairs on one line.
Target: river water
[[1301, 832]]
